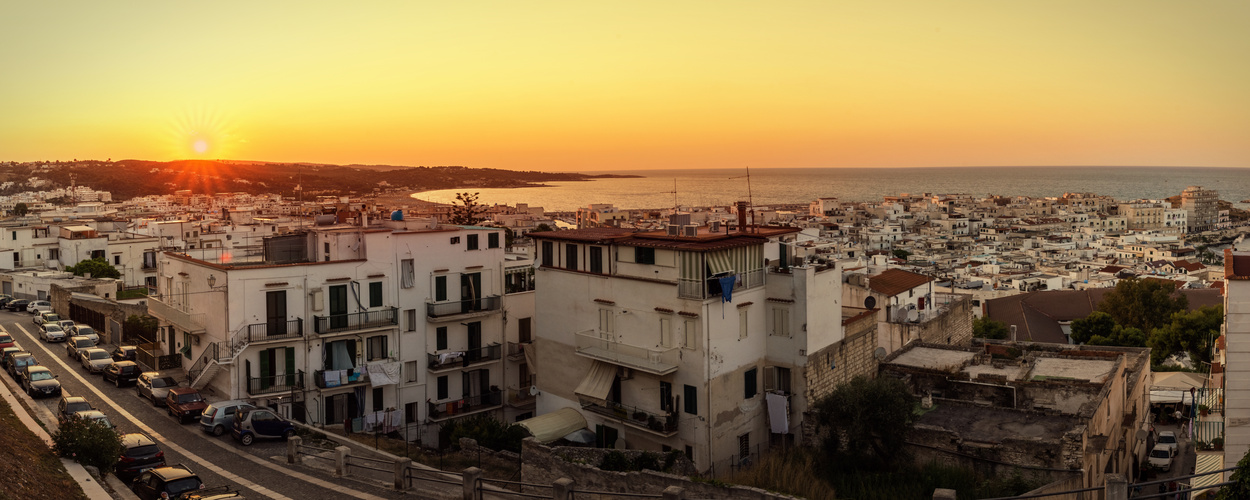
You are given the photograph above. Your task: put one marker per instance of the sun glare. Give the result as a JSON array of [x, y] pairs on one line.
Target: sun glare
[[201, 133]]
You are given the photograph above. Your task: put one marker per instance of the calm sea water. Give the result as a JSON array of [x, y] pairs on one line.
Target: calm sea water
[[664, 188]]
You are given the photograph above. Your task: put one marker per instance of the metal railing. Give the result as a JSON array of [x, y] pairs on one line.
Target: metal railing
[[320, 381], [604, 346], [209, 355], [355, 321], [516, 350], [469, 306], [664, 423], [275, 383], [460, 359], [465, 405], [278, 330], [710, 288], [520, 396]]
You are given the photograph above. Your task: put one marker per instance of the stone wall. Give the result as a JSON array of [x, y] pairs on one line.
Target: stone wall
[[952, 327], [1033, 459], [104, 309], [541, 464], [851, 357]]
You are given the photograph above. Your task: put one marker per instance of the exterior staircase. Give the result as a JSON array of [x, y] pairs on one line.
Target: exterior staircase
[[216, 355]]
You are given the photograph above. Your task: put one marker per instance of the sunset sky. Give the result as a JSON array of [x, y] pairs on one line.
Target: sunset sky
[[630, 85]]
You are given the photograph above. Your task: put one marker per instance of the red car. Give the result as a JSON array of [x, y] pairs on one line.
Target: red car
[[6, 340], [185, 403]]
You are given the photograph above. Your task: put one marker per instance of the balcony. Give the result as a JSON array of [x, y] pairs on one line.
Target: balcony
[[466, 406], [711, 289], [662, 424], [604, 347], [463, 308], [319, 379], [463, 359], [520, 397], [181, 319], [516, 351], [276, 383], [278, 330], [337, 323]]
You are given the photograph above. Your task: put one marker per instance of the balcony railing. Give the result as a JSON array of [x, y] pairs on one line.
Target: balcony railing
[[319, 378], [356, 321], [275, 383], [520, 396], [469, 404], [664, 424], [516, 350], [604, 347], [461, 359], [180, 318], [458, 307], [710, 288], [277, 330]]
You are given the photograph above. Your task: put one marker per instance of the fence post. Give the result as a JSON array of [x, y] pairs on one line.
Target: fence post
[[562, 489], [1117, 487], [944, 494], [471, 477], [340, 460], [292, 449], [673, 493], [401, 473]]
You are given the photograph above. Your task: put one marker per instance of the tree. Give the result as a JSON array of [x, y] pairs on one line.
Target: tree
[[865, 422], [902, 254], [542, 227], [97, 268], [1098, 323], [20, 209], [89, 442], [1143, 304], [1189, 331], [986, 328], [468, 212], [1241, 482], [140, 328]]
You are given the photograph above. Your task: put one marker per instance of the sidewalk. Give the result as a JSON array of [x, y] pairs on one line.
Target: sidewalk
[[90, 486]]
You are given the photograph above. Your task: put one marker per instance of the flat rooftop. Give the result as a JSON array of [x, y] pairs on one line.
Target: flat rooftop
[[934, 359], [994, 425], [1091, 370]]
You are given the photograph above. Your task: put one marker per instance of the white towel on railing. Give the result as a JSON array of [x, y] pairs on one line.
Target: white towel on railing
[[332, 378]]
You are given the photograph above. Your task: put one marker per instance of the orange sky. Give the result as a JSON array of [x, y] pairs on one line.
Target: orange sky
[[630, 85]]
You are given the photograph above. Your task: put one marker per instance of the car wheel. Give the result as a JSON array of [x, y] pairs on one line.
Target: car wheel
[[247, 439], [218, 430], [287, 435], [118, 382]]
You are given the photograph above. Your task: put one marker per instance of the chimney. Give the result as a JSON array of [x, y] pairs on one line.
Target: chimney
[[742, 217]]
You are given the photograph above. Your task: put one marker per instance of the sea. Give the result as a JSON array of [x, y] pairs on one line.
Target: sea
[[658, 189]]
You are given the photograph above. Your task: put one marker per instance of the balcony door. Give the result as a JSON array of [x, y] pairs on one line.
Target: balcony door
[[476, 382], [475, 341], [275, 313], [338, 306], [470, 292]]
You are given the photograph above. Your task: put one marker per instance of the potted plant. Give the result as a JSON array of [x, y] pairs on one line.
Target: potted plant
[[640, 416], [1217, 443], [1204, 410]]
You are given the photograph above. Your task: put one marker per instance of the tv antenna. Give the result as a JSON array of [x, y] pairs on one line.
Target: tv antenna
[[750, 199]]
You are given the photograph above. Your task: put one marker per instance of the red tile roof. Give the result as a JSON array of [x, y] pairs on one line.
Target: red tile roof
[[1236, 265], [895, 281]]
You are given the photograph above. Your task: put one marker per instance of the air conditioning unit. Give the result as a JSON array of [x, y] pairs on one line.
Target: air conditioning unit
[[714, 226], [673, 230], [690, 230]]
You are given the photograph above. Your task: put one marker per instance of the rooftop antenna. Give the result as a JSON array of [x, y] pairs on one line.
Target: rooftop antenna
[[674, 195], [750, 199]]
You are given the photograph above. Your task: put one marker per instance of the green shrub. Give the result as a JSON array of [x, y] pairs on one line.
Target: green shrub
[[88, 442], [648, 460], [486, 430], [615, 461]]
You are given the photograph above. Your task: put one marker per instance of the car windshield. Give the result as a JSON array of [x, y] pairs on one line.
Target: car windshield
[[24, 361], [182, 485], [143, 451], [99, 355], [53, 328], [1167, 439], [40, 375], [83, 330], [75, 407], [102, 420], [1159, 453], [84, 343], [189, 398], [4, 339], [164, 382]]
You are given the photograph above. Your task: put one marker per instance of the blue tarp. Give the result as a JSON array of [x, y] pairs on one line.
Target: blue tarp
[[727, 288]]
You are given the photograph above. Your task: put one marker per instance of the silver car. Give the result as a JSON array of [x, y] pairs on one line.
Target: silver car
[[95, 360], [85, 331], [52, 332], [153, 386], [219, 416]]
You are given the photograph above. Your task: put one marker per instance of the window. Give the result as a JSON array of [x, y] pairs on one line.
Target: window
[[377, 347], [777, 379], [375, 294], [492, 240], [548, 251], [689, 453], [440, 338], [440, 288], [412, 319], [525, 325], [570, 257], [666, 332], [407, 274], [455, 240], [117, 259], [410, 412], [442, 387], [749, 381], [411, 369], [377, 399], [596, 260], [666, 396], [607, 322], [744, 446], [644, 255], [691, 400], [781, 322], [742, 323], [472, 241], [691, 332]]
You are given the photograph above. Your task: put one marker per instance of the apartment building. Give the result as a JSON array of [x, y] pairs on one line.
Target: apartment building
[[681, 339], [1236, 355], [1201, 208]]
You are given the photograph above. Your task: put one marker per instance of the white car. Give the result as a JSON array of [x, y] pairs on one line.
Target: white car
[[52, 332], [38, 306], [95, 360], [1161, 457], [66, 324], [85, 331], [46, 317], [1169, 438]]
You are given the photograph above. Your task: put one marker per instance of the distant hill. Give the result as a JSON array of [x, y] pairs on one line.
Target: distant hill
[[130, 178]]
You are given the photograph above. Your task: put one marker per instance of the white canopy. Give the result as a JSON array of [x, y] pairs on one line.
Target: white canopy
[[555, 425], [598, 383]]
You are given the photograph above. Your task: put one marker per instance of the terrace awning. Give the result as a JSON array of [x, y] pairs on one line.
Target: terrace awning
[[598, 383], [555, 425]]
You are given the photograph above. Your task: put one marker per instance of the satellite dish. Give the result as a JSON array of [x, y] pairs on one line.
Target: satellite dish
[[879, 354], [870, 302], [534, 390], [913, 315]]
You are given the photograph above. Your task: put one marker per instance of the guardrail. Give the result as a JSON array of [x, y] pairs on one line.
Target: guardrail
[[468, 357], [468, 306], [275, 383], [355, 321]]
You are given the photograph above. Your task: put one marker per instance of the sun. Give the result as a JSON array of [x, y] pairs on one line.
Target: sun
[[201, 134]]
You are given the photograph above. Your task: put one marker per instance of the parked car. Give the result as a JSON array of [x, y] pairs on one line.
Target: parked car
[[94, 360], [68, 325], [185, 403], [1161, 457], [39, 381], [214, 493], [122, 372], [124, 353], [139, 453], [153, 386], [70, 406], [52, 333], [219, 416], [4, 356], [77, 344], [5, 299], [45, 317], [84, 331], [6, 340], [260, 423], [96, 416], [19, 362], [1169, 438], [165, 482], [17, 305], [38, 306]]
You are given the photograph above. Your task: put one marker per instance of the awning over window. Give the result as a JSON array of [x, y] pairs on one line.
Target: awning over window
[[720, 262], [1207, 463], [598, 383], [555, 425]]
